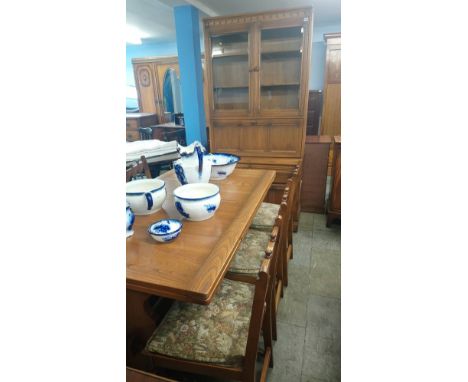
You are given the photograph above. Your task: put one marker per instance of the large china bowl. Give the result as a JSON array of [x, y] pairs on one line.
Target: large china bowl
[[146, 196], [222, 165], [197, 201]]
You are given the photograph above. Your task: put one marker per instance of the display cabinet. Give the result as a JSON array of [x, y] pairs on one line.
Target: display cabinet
[[257, 75]]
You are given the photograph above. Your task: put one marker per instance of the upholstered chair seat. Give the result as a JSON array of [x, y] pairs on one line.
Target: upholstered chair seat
[[215, 333], [251, 252], [264, 220]]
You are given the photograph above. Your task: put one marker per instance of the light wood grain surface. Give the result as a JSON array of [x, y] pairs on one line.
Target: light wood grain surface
[[191, 267]]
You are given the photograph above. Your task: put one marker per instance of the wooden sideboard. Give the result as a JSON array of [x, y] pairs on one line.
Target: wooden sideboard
[[334, 201], [137, 120], [256, 76]]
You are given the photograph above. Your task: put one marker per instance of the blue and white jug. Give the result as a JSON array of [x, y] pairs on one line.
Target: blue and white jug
[[130, 220], [194, 166]]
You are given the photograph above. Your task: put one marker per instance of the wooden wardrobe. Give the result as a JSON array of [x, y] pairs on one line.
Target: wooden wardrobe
[[331, 115], [257, 79], [149, 79]]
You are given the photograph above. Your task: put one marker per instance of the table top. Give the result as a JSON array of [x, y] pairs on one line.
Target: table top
[[171, 125], [139, 115], [191, 267]]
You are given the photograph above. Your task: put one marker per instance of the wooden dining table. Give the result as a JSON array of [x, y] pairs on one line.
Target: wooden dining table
[[191, 267]]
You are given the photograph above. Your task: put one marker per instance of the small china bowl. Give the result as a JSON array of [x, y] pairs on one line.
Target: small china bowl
[[197, 201], [222, 165], [165, 230], [146, 196]]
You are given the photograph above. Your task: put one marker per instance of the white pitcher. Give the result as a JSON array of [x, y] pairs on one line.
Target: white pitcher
[[194, 166]]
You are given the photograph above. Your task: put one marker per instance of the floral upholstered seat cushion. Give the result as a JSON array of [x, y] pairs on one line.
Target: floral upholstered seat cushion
[[265, 218], [251, 252], [215, 333]]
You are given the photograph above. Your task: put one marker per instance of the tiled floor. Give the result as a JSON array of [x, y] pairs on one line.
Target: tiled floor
[[309, 334], [309, 331]]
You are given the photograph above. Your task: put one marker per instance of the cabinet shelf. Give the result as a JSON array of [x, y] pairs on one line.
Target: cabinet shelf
[[230, 54], [279, 84], [230, 86], [282, 53]]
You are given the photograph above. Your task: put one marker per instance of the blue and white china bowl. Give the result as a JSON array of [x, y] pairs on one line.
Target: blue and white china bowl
[[197, 201], [130, 220], [222, 165], [146, 196], [165, 230]]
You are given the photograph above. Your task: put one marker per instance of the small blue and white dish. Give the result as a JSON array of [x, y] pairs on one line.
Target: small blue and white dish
[[165, 230], [222, 165]]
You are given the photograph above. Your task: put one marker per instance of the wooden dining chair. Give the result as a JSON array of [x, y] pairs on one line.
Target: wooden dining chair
[[141, 167], [219, 339], [265, 219], [247, 260]]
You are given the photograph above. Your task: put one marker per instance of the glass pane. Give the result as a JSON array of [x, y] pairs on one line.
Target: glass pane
[[230, 62], [280, 62]]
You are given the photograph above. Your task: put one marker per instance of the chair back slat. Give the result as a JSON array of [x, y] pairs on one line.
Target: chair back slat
[[141, 167]]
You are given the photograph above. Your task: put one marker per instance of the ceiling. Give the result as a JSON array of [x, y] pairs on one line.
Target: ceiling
[[154, 19]]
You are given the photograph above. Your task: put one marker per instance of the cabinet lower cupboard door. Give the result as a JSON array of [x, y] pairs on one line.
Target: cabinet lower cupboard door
[[285, 139], [254, 139], [226, 137]]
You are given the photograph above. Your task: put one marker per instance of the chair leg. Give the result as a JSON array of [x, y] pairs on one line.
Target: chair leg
[[285, 268], [274, 330], [267, 331]]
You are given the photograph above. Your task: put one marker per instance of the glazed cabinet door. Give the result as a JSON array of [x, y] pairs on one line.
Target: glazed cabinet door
[[146, 85], [283, 52], [229, 71]]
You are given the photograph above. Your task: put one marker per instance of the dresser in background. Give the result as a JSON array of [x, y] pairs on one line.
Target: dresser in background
[[314, 181], [314, 112], [137, 120], [334, 201]]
